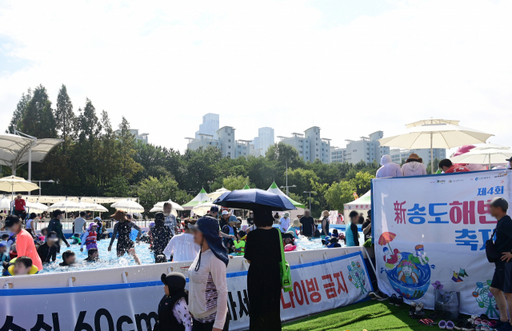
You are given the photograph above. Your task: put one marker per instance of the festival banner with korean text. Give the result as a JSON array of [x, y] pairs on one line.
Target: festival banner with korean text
[[318, 286], [430, 233]]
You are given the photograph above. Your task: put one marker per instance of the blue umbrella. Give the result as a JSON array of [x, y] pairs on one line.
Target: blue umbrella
[[252, 199]]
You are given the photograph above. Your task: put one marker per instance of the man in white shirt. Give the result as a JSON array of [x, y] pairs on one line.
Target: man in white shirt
[[284, 222], [79, 223], [182, 247], [170, 219]]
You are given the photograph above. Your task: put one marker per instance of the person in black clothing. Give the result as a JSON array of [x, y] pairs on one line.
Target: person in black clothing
[[501, 285], [361, 219], [56, 225], [325, 223], [123, 229], [367, 226], [173, 311], [161, 235], [48, 251], [307, 223], [263, 252]]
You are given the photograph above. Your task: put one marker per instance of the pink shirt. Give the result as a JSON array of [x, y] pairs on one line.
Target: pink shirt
[[25, 247]]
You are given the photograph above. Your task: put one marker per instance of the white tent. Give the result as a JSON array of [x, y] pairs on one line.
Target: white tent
[[215, 195], [203, 208], [363, 203], [201, 197]]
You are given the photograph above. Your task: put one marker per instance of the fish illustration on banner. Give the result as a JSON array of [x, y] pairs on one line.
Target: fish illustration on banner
[[408, 273]]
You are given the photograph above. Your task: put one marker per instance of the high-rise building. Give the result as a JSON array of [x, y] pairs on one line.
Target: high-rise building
[[226, 142], [210, 125], [310, 145], [264, 140], [138, 136], [367, 149]]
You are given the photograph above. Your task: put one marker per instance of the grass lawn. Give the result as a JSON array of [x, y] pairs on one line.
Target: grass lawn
[[369, 315]]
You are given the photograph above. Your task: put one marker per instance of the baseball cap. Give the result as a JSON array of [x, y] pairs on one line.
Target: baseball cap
[[509, 159], [97, 218], [499, 202], [225, 212], [214, 209]]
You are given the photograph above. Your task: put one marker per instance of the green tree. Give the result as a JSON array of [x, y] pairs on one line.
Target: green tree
[[19, 112], [232, 183], [339, 193], [118, 187], [64, 117], [152, 190], [303, 179], [362, 182], [126, 149], [38, 119]]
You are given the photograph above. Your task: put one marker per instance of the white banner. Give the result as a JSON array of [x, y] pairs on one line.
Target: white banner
[[430, 231], [318, 286]]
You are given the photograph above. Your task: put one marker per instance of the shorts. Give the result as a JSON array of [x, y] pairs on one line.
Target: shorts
[[502, 279], [123, 248]]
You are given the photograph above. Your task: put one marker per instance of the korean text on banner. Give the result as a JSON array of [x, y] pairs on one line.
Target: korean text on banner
[[430, 233], [318, 286]]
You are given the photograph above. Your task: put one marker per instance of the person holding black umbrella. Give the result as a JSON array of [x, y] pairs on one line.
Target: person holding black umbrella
[[263, 251]]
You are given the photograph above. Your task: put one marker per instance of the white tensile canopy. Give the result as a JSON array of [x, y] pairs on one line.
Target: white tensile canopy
[[201, 197]]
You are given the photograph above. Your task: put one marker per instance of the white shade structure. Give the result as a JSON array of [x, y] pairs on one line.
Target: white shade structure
[[214, 195], [485, 155], [128, 206], [92, 207], [5, 203], [201, 197], [202, 208], [435, 133], [160, 205], [36, 207], [16, 184], [66, 206]]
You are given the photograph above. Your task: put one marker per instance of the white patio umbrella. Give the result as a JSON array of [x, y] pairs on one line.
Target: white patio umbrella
[[175, 206], [128, 205], [435, 133], [5, 203], [18, 184], [157, 209], [202, 208], [485, 155], [36, 207], [214, 195], [92, 207], [66, 206]]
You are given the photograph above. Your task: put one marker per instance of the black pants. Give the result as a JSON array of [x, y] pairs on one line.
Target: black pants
[[198, 326]]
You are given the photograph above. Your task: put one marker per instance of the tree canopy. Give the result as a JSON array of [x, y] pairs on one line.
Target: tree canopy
[[97, 160]]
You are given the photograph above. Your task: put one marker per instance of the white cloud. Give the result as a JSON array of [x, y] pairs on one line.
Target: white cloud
[[285, 64]]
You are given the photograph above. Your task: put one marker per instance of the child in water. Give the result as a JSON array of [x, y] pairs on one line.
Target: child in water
[[75, 239], [21, 266], [173, 311], [92, 255], [68, 259], [90, 237]]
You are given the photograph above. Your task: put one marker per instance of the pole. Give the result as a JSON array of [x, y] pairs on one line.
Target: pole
[[29, 166], [287, 191], [39, 189], [431, 152]]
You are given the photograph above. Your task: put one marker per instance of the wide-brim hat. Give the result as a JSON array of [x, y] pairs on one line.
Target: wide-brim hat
[[295, 223], [414, 158], [209, 227]]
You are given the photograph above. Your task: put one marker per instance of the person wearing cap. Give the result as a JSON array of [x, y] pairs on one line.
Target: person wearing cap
[[263, 252], [501, 284], [229, 230], [388, 169], [284, 222], [295, 225], [123, 230], [56, 225], [414, 166], [48, 251], [90, 237], [24, 241], [173, 312], [208, 289], [182, 247], [325, 223], [161, 235], [19, 206], [79, 223]]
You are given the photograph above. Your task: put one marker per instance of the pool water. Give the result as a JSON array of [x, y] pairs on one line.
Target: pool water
[[110, 259]]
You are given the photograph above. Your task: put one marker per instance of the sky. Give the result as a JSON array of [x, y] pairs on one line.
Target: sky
[[351, 67]]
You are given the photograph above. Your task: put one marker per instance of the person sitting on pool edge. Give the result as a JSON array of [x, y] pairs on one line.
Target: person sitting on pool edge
[[92, 255], [68, 259]]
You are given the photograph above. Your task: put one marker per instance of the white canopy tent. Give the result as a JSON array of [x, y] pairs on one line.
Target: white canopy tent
[[203, 208], [362, 204], [201, 197]]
